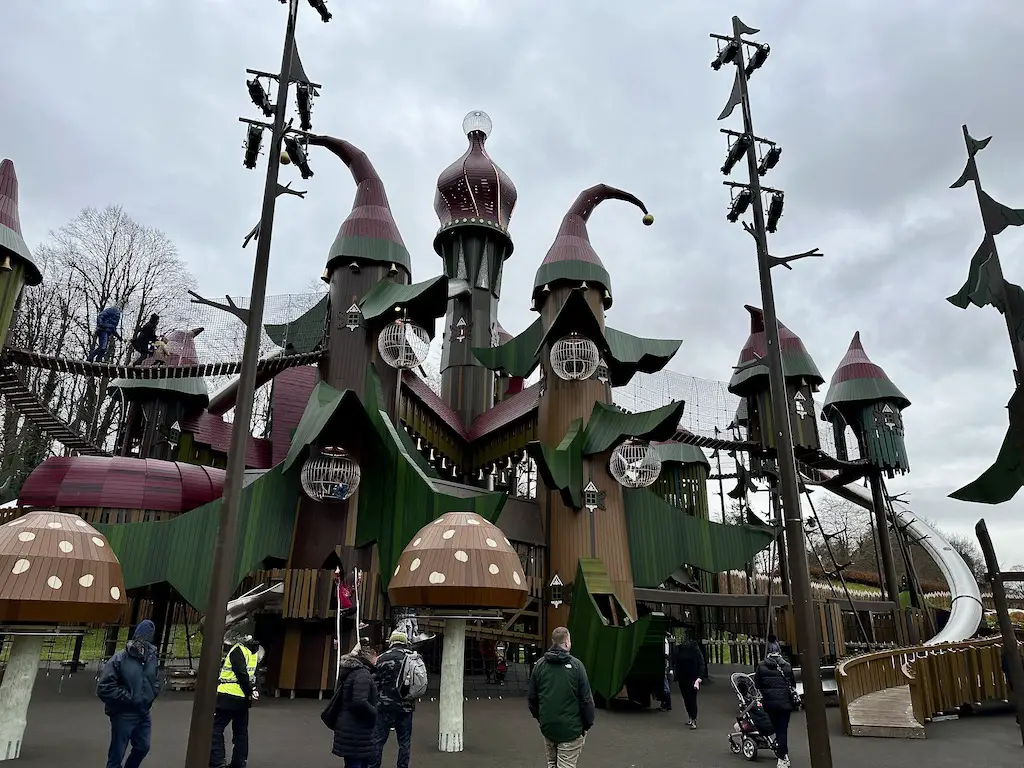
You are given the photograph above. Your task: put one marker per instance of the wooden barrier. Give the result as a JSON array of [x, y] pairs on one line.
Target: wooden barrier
[[893, 693]]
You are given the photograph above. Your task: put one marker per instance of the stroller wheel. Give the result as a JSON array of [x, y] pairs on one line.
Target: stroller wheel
[[749, 748], [734, 746]]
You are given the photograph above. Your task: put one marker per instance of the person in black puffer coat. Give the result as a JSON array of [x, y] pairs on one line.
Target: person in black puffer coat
[[775, 681], [356, 709]]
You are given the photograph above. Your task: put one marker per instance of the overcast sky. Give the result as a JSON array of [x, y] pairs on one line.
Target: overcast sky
[[136, 103]]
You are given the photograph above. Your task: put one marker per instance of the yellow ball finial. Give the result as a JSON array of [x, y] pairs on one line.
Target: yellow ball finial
[[648, 219], [285, 159]]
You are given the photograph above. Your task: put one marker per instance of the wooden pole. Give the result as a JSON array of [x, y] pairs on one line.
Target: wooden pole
[[1010, 648]]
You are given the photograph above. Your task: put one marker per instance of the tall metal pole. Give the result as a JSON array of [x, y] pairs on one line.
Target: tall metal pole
[[200, 733], [799, 575]]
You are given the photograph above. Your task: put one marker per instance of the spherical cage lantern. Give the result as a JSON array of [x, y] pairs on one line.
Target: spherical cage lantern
[[403, 344], [574, 358], [330, 475], [635, 464]]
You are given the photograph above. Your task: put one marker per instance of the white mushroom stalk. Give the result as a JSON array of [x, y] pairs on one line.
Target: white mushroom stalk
[[453, 675]]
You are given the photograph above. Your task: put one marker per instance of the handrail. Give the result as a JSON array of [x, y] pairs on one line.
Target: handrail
[[878, 671], [947, 678]]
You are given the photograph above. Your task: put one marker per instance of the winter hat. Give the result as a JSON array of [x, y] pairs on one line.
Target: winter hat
[[398, 637], [145, 631]]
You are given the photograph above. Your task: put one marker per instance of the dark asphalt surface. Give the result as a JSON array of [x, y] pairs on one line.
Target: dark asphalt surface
[[69, 729]]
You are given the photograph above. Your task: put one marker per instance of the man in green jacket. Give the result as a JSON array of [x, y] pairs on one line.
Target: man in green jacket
[[562, 702]]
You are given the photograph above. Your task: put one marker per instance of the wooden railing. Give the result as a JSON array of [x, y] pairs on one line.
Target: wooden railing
[[940, 677], [944, 678]]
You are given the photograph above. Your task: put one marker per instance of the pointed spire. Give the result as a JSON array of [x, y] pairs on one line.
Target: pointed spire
[[858, 380], [11, 242], [571, 256], [796, 360], [474, 191], [370, 232]]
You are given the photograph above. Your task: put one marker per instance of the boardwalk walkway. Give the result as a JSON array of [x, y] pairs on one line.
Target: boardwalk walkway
[[886, 714]]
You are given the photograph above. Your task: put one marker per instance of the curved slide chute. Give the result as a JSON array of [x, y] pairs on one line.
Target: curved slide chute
[[966, 608]]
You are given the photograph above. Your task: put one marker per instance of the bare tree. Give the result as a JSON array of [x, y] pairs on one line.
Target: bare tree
[[846, 526], [99, 258]]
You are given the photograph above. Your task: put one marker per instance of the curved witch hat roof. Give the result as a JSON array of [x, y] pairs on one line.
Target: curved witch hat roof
[[474, 191], [11, 241], [858, 380], [369, 233], [571, 256], [796, 360]]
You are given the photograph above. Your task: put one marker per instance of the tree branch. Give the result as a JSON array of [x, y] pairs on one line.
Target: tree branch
[[784, 260], [230, 307], [758, 360]]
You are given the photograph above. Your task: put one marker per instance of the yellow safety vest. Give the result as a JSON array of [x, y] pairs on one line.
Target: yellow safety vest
[[228, 679]]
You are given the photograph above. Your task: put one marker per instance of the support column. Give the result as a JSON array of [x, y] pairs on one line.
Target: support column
[[784, 584], [892, 584], [453, 671], [16, 692]]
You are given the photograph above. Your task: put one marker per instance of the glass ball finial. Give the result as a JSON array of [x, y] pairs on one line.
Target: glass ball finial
[[477, 121]]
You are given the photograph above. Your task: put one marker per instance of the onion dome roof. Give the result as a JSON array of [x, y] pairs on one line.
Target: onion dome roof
[[369, 233], [11, 242], [858, 380], [459, 561], [571, 257], [55, 568], [796, 360], [474, 191]]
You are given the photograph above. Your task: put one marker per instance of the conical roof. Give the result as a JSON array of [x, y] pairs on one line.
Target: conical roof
[[474, 191], [11, 241], [858, 380], [571, 256], [370, 232], [796, 360]]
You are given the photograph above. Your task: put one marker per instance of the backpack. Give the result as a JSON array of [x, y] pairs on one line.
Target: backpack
[[412, 677]]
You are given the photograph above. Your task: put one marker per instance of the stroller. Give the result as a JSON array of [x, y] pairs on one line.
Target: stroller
[[753, 730]]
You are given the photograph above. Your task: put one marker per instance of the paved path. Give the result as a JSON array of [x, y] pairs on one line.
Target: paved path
[[69, 729]]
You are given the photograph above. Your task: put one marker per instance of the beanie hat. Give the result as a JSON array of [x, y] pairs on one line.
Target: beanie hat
[[398, 637], [145, 631]]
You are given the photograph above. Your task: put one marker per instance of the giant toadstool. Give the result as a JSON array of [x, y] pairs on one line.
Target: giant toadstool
[[458, 563], [55, 569]]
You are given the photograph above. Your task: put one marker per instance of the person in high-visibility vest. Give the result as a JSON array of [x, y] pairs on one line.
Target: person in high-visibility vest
[[235, 694]]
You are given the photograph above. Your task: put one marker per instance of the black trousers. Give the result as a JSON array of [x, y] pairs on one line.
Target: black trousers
[[780, 719], [238, 719], [689, 697]]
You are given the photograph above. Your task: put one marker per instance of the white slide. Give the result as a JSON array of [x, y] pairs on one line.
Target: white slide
[[966, 608]]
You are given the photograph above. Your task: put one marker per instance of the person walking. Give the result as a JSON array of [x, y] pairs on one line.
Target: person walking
[[560, 699], [236, 691], [352, 712], [691, 669], [128, 686], [145, 338], [396, 705], [775, 681], [107, 324]]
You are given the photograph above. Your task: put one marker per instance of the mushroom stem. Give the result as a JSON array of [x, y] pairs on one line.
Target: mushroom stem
[[453, 670], [16, 692]]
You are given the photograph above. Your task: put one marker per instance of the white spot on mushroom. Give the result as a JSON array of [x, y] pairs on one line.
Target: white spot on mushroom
[[20, 567], [507, 541], [461, 556], [414, 564], [81, 523], [491, 543], [493, 569], [99, 543], [87, 580], [115, 593], [436, 578], [54, 583], [66, 546], [439, 520], [54, 526], [398, 568], [20, 521], [448, 534], [26, 536], [515, 578], [417, 542], [472, 521]]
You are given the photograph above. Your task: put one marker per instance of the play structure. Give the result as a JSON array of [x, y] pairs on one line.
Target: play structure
[[590, 499]]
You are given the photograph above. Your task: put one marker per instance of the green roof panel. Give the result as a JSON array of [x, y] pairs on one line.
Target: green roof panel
[[517, 357], [305, 333]]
